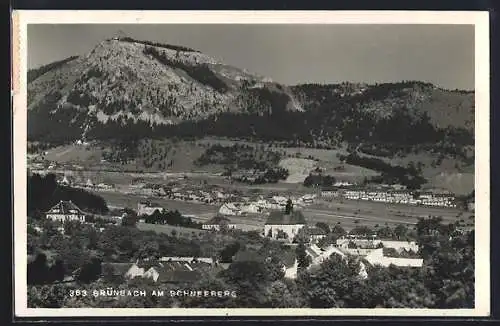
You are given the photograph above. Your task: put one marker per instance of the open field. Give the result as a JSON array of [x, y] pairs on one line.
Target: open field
[[116, 199], [348, 212], [168, 229], [182, 154]]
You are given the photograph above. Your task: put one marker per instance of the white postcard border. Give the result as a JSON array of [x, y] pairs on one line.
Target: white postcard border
[[20, 20]]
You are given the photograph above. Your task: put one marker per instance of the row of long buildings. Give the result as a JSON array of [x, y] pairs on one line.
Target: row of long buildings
[[394, 197]]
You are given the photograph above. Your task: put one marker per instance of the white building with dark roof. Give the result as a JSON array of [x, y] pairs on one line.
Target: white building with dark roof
[[376, 257], [148, 208], [65, 211], [229, 209], [284, 226]]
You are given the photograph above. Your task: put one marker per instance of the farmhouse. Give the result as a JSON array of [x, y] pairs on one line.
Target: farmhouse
[[173, 272], [318, 256], [399, 246], [148, 208], [376, 257], [284, 226], [251, 208], [65, 181], [329, 193], [229, 209], [315, 234], [308, 198], [65, 211], [206, 260], [89, 184]]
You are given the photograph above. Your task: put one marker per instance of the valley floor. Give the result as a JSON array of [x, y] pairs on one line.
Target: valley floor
[[348, 212]]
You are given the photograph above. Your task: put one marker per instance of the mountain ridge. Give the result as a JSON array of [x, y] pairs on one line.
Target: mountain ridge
[[160, 90]]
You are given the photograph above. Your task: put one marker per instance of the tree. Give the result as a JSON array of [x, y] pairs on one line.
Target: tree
[[288, 207], [323, 226], [251, 280], [361, 230], [334, 284], [226, 255], [400, 231], [57, 271], [90, 271], [129, 218], [72, 228], [38, 270], [303, 259], [338, 230], [47, 296]]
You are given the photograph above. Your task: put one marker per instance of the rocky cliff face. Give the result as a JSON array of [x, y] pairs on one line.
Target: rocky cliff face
[[149, 82]]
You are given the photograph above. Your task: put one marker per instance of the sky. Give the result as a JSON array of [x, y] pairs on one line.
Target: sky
[[293, 54]]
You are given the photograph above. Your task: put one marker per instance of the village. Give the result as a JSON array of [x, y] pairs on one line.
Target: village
[[285, 225], [274, 216], [234, 203]]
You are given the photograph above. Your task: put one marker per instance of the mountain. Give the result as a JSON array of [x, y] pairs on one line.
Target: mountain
[[129, 89], [130, 81]]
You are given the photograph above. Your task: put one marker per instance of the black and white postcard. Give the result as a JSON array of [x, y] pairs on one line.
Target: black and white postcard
[[251, 163]]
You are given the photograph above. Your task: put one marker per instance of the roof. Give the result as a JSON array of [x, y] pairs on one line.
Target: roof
[[178, 276], [280, 218], [311, 253], [178, 272], [65, 207]]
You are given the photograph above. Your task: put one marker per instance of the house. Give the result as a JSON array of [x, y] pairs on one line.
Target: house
[[229, 209], [217, 223], [89, 184], [280, 200], [318, 256], [376, 257], [134, 271], [148, 208], [308, 198], [329, 193], [280, 225], [65, 181], [315, 234], [342, 184], [65, 211], [251, 208], [205, 260], [364, 243], [399, 245], [168, 272]]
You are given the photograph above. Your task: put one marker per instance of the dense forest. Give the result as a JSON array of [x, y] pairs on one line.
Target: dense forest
[[239, 157], [201, 73], [385, 119], [409, 176], [44, 192], [35, 73]]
